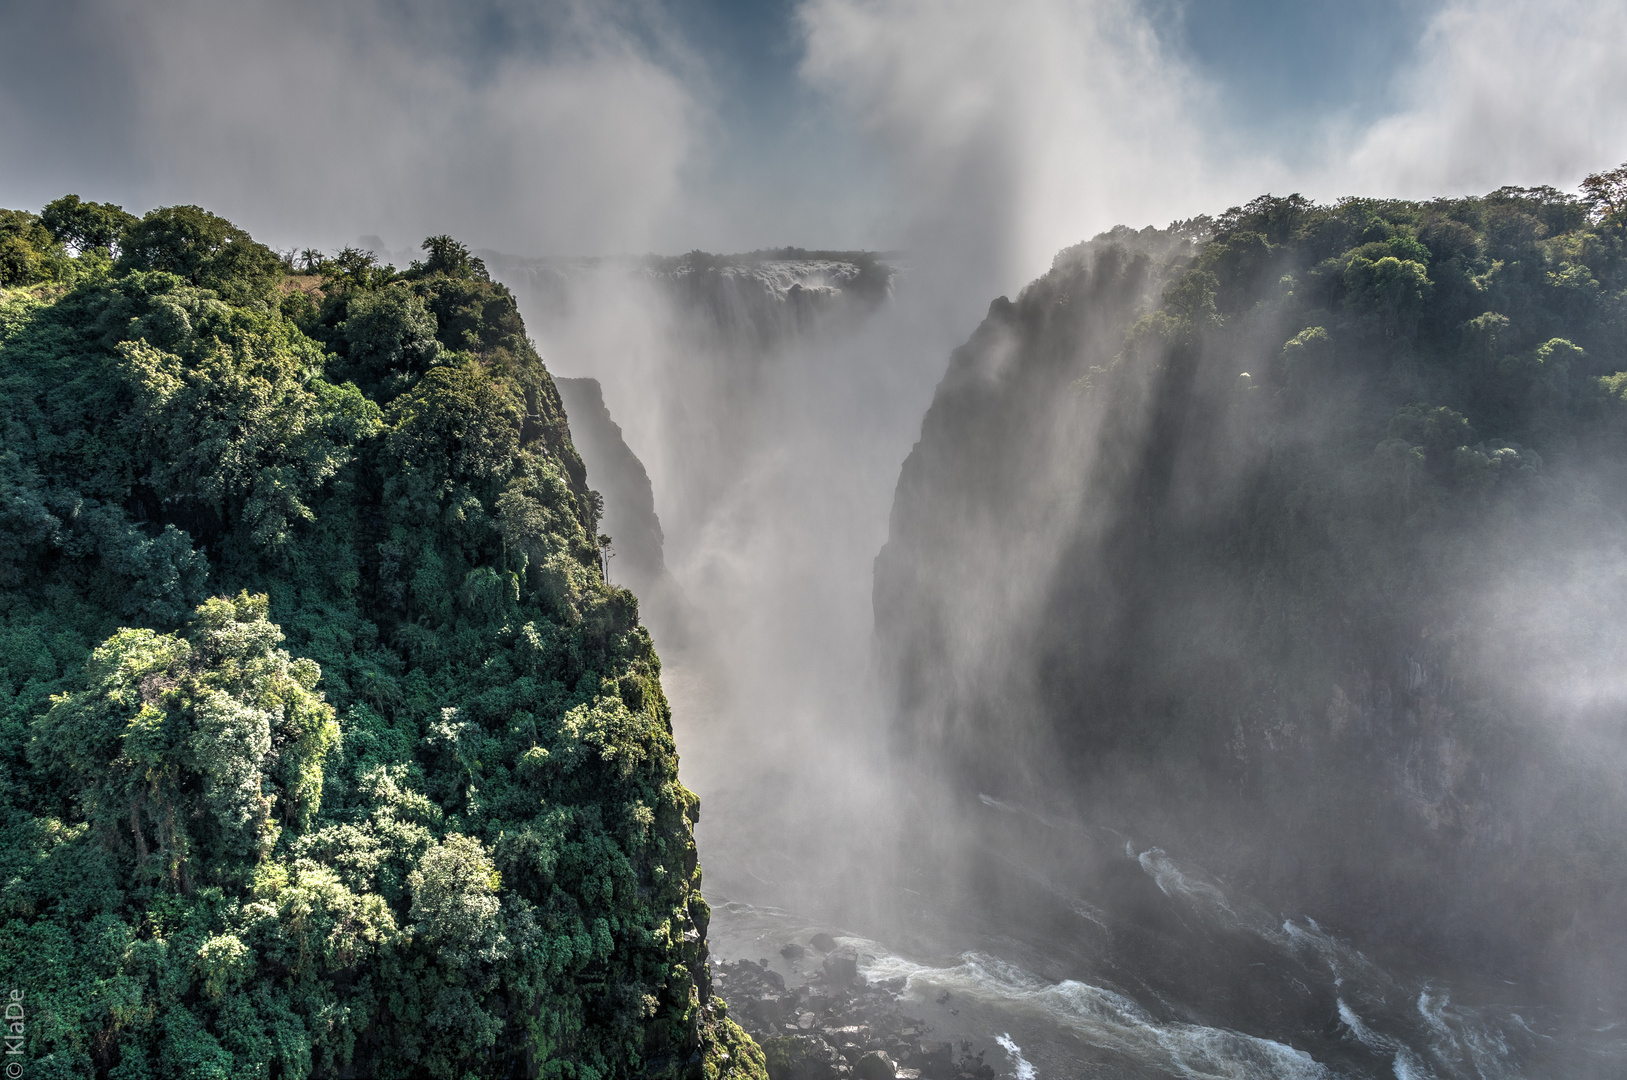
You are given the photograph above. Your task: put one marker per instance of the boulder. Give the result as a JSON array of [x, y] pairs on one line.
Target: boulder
[[841, 968], [823, 942], [793, 951], [935, 1057], [770, 1008], [876, 1065], [801, 1057]]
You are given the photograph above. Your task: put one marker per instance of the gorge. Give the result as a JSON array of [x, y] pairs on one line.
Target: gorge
[[1211, 672], [1149, 585]]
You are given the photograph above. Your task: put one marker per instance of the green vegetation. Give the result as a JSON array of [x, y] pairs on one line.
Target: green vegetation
[[325, 748], [1352, 419], [1394, 545]]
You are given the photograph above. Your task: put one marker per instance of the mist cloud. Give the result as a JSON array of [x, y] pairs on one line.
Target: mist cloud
[[560, 127], [1016, 129], [981, 137], [1502, 92]]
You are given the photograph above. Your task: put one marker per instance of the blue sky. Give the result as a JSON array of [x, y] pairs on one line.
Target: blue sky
[[581, 126], [1283, 61], [1277, 62]]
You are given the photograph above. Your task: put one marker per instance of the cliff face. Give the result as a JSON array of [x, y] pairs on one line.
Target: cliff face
[[327, 749], [636, 557], [750, 302], [1271, 543]]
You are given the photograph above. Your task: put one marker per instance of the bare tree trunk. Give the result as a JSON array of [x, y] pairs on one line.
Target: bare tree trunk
[[135, 831]]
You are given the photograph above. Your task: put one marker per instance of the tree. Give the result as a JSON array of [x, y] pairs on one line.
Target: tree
[[229, 415], [26, 247], [447, 256], [1392, 289], [454, 901], [183, 749], [354, 268], [388, 330], [1605, 193], [206, 250], [86, 225], [1303, 357]]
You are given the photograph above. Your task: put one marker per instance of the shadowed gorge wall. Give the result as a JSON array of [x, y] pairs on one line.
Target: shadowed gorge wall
[[1290, 538], [636, 556], [408, 805]]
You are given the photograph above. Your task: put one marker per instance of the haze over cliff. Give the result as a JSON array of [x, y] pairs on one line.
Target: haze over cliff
[[751, 389], [1288, 542], [1237, 575]]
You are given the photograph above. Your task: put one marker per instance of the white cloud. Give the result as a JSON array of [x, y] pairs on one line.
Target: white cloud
[[1502, 92], [1006, 131]]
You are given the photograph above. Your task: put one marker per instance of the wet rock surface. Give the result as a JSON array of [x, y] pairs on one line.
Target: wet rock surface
[[837, 1025]]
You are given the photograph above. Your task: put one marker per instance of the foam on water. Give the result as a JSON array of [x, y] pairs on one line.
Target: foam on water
[[1462, 1042], [1407, 1065], [1021, 1066], [1364, 1034], [1014, 808], [1174, 882], [1099, 1016], [1080, 907], [1434, 1039], [1460, 1036], [1089, 913]]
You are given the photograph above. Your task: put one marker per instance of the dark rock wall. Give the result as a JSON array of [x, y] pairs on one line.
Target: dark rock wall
[[636, 560], [1144, 569]]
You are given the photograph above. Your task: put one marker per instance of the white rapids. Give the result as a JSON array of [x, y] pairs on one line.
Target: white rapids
[[1089, 1026]]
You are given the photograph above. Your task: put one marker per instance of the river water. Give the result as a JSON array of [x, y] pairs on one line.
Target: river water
[[1147, 966]]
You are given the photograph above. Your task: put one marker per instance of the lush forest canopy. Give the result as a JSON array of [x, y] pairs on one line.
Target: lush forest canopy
[[325, 748], [1303, 522]]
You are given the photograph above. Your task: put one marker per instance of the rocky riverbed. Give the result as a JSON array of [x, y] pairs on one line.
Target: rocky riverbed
[[827, 1021]]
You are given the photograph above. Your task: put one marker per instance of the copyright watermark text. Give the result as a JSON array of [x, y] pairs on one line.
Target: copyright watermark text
[[15, 1029]]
